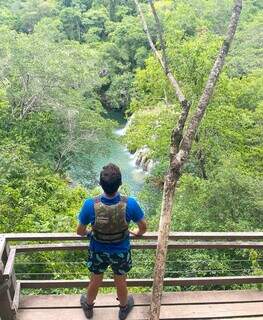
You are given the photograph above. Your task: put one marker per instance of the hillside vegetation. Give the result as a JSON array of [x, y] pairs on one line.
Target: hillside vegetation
[[66, 64]]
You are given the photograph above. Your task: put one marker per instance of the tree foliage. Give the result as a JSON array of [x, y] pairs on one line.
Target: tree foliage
[[64, 64]]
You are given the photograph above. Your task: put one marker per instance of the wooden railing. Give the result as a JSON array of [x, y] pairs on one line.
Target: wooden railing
[[10, 287]]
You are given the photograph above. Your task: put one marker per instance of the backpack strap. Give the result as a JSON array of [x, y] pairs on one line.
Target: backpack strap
[[97, 199], [124, 199]]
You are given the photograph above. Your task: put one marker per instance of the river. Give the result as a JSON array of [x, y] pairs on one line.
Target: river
[[132, 176], [119, 155]]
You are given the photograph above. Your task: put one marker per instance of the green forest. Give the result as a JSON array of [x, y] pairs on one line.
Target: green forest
[[74, 71]]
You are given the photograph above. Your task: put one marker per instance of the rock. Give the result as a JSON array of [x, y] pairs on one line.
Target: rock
[[141, 159], [144, 162], [145, 165], [103, 73], [141, 156], [150, 165], [138, 159]]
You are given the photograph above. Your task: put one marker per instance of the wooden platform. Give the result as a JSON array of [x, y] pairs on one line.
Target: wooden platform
[[237, 305], [245, 305]]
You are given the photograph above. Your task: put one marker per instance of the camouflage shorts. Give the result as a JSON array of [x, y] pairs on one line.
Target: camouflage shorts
[[98, 262]]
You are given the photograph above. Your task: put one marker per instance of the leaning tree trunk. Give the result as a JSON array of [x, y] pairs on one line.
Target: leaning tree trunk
[[164, 229], [180, 148], [181, 142]]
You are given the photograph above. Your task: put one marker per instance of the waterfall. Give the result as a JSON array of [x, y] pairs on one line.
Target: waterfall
[[140, 159]]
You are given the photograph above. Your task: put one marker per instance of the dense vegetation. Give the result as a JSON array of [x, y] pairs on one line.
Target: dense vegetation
[[64, 64]]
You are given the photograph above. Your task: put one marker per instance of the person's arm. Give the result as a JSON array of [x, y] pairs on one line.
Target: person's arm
[[84, 218], [142, 228], [137, 216], [82, 230]]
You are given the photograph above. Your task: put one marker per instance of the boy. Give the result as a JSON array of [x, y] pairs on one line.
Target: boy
[[109, 215]]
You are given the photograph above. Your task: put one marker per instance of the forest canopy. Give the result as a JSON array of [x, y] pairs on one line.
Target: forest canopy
[[65, 65]]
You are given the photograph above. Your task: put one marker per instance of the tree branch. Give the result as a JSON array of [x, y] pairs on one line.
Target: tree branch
[[177, 161], [162, 58], [185, 104], [27, 106], [188, 138], [160, 35]]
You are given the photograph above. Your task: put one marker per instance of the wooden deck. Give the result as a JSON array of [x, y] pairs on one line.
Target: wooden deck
[[237, 305]]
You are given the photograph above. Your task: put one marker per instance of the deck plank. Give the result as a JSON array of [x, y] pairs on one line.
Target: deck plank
[[236, 305], [206, 311], [176, 298]]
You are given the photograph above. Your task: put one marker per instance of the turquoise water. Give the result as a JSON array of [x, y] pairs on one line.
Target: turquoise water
[[119, 155], [132, 176]]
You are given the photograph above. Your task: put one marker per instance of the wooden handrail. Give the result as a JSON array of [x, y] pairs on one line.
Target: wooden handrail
[[145, 245], [7, 280], [38, 284], [191, 240], [2, 246], [16, 299], [10, 264], [148, 236]]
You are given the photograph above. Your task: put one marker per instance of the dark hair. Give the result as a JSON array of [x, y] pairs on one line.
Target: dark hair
[[110, 178]]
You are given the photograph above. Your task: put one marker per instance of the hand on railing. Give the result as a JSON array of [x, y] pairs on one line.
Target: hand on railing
[[135, 233]]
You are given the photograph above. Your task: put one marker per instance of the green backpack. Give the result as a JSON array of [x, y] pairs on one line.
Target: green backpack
[[110, 221]]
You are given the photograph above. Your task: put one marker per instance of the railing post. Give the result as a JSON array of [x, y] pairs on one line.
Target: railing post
[[7, 285]]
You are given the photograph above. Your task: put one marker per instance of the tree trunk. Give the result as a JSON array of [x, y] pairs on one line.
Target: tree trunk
[[179, 152], [181, 142], [161, 57], [163, 235]]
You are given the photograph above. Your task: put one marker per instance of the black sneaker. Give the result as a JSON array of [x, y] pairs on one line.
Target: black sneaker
[[87, 308], [124, 311]]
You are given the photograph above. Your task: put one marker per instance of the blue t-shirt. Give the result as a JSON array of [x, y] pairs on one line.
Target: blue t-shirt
[[87, 216]]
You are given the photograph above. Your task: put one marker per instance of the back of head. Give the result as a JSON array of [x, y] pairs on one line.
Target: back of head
[[110, 178]]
